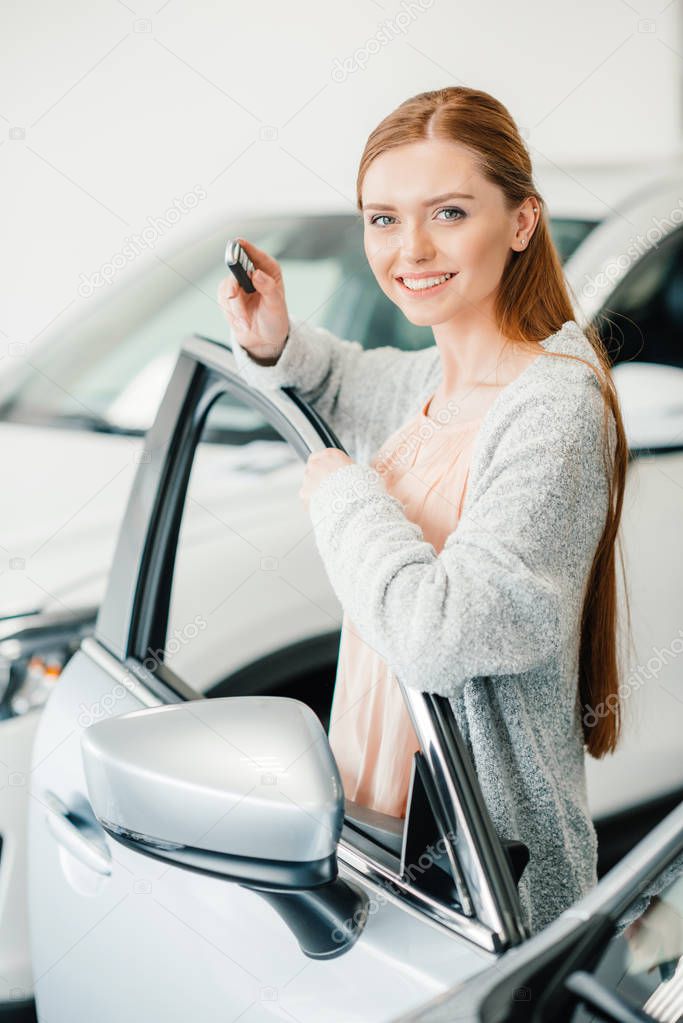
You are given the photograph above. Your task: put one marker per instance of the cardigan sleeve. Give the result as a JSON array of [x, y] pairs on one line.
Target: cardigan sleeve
[[491, 602], [338, 377]]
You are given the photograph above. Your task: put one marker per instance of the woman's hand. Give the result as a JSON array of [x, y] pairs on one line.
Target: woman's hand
[[656, 936], [319, 466], [259, 319]]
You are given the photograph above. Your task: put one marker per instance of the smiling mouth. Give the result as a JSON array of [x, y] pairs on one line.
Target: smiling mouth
[[420, 285]]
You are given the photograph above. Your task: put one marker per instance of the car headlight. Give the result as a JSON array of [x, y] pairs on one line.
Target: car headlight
[[33, 652]]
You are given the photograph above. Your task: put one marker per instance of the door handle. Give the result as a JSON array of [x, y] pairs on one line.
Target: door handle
[[77, 836]]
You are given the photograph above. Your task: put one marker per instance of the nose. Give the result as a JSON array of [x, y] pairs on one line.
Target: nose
[[416, 244]]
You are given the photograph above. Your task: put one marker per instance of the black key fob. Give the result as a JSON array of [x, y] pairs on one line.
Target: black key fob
[[239, 263]]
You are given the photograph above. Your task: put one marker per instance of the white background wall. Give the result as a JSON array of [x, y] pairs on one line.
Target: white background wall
[[111, 110]]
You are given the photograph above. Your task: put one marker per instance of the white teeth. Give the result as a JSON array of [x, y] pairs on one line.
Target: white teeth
[[425, 282]]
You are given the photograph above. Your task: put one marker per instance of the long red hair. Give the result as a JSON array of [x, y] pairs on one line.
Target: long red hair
[[532, 303]]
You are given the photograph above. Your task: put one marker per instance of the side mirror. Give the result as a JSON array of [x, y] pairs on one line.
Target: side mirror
[[651, 399], [244, 788]]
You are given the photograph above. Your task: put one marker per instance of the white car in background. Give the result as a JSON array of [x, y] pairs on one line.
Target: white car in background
[[74, 421]]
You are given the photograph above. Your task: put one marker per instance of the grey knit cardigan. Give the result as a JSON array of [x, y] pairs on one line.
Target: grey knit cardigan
[[492, 621]]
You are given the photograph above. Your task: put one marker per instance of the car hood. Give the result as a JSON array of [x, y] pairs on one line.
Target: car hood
[[65, 496]]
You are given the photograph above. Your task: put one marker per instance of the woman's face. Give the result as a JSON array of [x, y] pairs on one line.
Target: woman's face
[[409, 231]]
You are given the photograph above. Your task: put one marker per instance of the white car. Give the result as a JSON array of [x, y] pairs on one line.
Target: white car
[[74, 423], [194, 857]]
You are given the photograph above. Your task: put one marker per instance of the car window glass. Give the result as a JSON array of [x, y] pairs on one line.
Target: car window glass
[[568, 233], [122, 378], [643, 319], [113, 365], [245, 563]]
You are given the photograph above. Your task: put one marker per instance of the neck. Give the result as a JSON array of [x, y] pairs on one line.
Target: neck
[[473, 353]]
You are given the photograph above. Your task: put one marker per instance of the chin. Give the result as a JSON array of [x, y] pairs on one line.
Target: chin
[[417, 320], [424, 317]]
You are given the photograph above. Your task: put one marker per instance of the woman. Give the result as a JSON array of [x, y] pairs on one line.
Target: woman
[[508, 429]]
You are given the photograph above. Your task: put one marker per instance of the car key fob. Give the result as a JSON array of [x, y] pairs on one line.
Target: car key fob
[[240, 264]]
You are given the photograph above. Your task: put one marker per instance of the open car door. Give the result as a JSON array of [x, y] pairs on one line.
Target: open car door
[[191, 850]]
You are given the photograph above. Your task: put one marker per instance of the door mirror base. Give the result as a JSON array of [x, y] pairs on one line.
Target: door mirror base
[[326, 921], [325, 914]]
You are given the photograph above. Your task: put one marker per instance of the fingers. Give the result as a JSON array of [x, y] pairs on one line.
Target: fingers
[[229, 288], [226, 289], [232, 305], [265, 285], [261, 259], [230, 296], [238, 306]]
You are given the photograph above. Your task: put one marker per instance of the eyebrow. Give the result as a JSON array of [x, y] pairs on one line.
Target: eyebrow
[[428, 202]]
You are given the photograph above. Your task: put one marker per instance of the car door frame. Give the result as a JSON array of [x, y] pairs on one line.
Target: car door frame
[[538, 973], [132, 614]]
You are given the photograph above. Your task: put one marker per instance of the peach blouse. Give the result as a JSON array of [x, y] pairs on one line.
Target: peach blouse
[[425, 464]]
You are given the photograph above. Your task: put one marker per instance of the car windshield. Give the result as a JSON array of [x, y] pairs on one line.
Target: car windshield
[[110, 370]]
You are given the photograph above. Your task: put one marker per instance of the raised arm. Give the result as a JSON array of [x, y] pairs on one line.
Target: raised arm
[[363, 395]]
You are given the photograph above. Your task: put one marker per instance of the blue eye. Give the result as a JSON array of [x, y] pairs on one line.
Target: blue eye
[[453, 209], [447, 209]]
